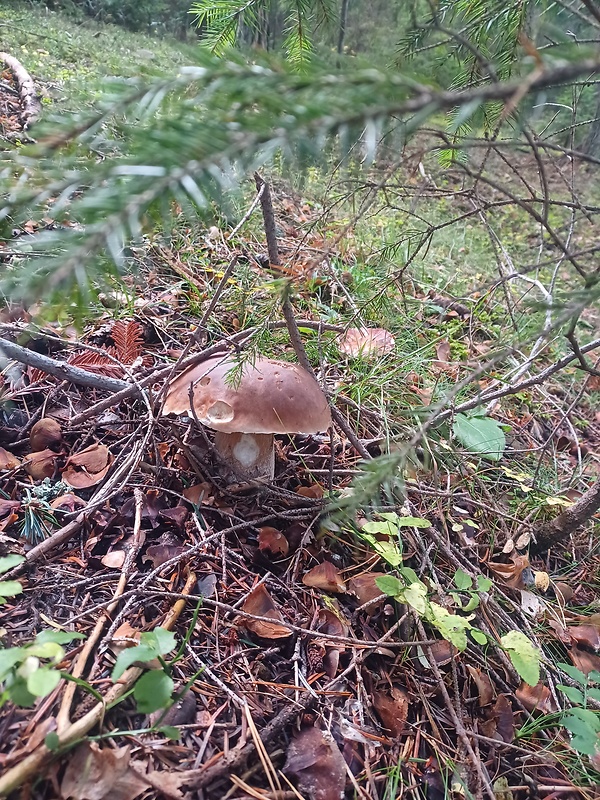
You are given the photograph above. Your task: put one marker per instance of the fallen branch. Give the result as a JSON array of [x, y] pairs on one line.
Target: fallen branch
[[32, 108], [60, 369], [44, 547], [569, 521]]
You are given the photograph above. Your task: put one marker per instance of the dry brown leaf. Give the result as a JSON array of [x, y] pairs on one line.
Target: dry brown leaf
[[272, 541], [564, 592], [365, 589], [45, 434], [260, 603], [314, 491], [41, 465], [586, 635], [511, 574], [115, 559], [500, 722], [95, 773], [165, 551], [442, 652], [536, 698], [332, 624], [442, 351], [583, 660], [485, 689], [326, 577], [88, 467], [8, 510], [8, 460], [197, 493], [68, 502], [366, 342], [392, 709], [315, 761], [7, 507]]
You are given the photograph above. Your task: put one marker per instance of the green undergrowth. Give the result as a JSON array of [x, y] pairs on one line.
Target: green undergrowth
[[69, 57]]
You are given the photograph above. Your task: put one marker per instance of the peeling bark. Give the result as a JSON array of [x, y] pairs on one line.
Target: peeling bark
[[30, 103]]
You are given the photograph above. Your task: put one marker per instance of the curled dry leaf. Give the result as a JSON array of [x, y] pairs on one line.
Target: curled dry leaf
[[7, 507], [484, 686], [366, 342], [8, 460], [366, 590], [88, 467], [8, 512], [499, 723], [163, 551], [315, 761], [511, 574], [260, 603], [40, 465], [392, 709], [442, 652], [68, 502], [198, 493], [46, 433], [326, 577], [330, 623], [586, 662], [95, 773], [536, 698], [272, 541]]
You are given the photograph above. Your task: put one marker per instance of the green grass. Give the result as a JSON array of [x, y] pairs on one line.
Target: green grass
[[69, 57]]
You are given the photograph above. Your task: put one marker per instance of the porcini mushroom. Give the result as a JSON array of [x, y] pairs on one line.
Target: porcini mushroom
[[270, 397]]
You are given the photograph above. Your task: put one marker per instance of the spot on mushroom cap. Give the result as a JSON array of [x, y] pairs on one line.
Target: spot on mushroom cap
[[271, 397]]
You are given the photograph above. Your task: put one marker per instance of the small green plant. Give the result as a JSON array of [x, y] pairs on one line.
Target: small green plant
[[408, 589], [580, 721], [384, 535], [464, 585], [155, 687], [39, 519], [9, 588], [29, 671]]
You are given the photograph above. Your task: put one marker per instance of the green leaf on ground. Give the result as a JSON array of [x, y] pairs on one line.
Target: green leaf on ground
[[524, 656], [452, 626], [480, 435]]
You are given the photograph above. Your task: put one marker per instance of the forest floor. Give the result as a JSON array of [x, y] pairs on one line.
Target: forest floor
[[260, 603]]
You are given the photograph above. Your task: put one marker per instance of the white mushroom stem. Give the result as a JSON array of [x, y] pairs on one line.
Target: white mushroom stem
[[250, 455]]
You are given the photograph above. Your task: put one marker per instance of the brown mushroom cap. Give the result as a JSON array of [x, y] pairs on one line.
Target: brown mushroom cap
[[271, 397]]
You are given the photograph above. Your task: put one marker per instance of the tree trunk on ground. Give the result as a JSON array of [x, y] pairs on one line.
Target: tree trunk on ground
[[30, 102], [343, 25], [570, 520]]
